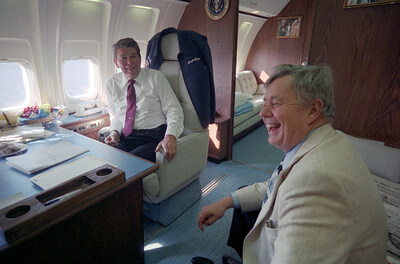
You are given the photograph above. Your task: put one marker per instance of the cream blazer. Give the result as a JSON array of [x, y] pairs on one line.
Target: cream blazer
[[325, 208]]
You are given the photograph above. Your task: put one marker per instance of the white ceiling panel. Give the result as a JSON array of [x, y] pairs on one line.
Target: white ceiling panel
[[264, 8]]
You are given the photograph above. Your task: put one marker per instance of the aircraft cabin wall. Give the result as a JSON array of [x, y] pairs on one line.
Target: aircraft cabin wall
[[61, 50], [248, 28]]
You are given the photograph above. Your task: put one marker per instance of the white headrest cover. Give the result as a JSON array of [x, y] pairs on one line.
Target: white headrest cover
[[170, 47]]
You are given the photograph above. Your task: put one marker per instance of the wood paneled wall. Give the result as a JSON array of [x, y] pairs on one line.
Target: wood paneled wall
[[268, 51], [222, 39], [362, 45]]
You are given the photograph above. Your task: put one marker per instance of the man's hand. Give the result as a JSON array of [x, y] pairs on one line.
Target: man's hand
[[211, 213], [169, 146], [112, 139]]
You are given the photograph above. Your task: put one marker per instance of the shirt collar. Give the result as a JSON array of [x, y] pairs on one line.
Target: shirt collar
[[291, 153], [138, 78]]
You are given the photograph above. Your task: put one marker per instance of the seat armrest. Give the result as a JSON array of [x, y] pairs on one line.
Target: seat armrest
[[192, 149], [103, 133]]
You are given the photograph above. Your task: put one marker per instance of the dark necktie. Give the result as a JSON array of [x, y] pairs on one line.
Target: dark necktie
[[272, 181], [130, 109]]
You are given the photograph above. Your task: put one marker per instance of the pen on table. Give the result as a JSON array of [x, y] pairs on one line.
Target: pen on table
[[8, 121], [60, 197]]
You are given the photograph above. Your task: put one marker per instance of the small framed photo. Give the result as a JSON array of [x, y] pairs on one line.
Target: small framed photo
[[288, 27], [363, 3]]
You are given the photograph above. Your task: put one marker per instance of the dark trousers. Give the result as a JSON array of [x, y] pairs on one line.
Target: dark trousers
[[143, 142], [241, 225]]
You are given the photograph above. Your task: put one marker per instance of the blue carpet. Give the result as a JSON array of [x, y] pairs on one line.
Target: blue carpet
[[254, 150], [253, 161], [182, 240]]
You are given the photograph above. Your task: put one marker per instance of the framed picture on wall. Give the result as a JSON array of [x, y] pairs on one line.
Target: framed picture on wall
[[288, 27], [363, 3]]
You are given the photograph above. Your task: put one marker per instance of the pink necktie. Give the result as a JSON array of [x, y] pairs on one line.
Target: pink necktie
[[130, 109]]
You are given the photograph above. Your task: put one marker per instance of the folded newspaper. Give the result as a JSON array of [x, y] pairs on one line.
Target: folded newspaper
[[390, 193]]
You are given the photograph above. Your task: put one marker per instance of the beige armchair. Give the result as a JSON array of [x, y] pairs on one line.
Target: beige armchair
[[175, 186]]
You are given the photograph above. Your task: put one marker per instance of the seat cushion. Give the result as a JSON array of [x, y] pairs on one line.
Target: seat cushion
[[170, 47], [242, 98], [381, 160], [172, 71], [246, 82]]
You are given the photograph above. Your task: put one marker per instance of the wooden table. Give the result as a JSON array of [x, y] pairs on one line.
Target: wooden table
[[107, 228]]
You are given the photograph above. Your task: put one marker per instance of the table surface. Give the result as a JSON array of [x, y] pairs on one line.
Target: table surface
[[13, 181]]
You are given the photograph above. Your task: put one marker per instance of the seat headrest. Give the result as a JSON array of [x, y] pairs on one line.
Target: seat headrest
[[170, 47]]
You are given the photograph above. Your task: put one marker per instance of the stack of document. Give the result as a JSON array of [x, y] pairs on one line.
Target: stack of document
[[392, 260], [65, 172], [46, 157], [24, 133]]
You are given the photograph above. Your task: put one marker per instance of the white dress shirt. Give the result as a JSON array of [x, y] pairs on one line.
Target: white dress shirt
[[156, 103]]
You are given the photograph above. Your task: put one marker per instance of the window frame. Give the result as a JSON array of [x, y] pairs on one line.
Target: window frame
[[29, 78], [94, 93]]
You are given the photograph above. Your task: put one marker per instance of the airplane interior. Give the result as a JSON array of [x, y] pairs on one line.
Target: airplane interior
[[56, 57]]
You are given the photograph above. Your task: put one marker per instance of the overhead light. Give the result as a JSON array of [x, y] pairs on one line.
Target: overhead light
[[253, 5], [142, 7]]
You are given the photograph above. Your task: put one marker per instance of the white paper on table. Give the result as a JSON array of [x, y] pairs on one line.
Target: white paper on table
[[25, 133], [46, 157], [67, 171]]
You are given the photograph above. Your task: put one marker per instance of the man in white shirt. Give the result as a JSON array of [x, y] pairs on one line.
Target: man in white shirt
[[158, 121]]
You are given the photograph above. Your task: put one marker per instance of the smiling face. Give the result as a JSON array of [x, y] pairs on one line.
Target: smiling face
[[128, 59], [287, 121]]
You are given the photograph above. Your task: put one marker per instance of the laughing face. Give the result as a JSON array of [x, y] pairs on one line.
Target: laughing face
[[286, 120], [128, 60]]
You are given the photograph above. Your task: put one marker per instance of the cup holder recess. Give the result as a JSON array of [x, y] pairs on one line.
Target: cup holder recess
[[18, 211], [104, 172]]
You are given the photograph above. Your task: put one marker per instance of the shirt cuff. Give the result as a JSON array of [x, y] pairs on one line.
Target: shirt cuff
[[116, 127], [236, 203], [172, 131]]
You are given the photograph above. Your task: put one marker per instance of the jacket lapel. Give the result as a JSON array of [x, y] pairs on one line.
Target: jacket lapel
[[266, 209], [307, 146]]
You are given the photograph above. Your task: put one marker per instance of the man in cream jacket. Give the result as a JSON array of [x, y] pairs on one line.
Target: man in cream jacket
[[322, 206]]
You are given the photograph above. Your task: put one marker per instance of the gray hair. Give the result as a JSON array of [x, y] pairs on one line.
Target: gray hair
[[309, 83], [125, 43]]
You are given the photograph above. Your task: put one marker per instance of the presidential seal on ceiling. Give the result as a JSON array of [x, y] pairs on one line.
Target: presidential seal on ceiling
[[216, 9]]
